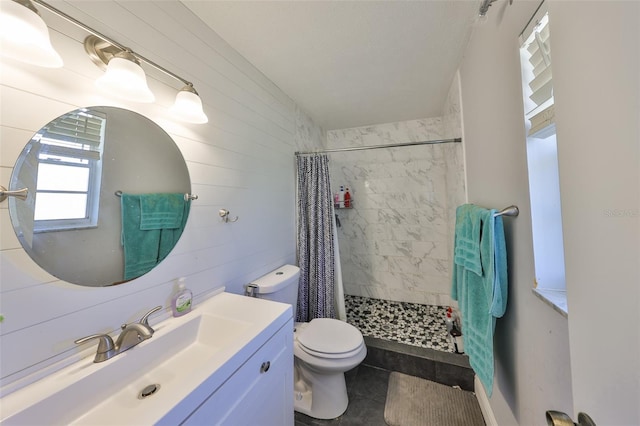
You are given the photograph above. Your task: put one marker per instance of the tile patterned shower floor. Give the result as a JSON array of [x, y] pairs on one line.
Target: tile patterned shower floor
[[409, 323]]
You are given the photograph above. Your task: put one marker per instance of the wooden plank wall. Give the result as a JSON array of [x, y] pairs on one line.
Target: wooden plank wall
[[242, 160]]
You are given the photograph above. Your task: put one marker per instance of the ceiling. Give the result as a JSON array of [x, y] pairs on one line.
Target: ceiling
[[350, 63]]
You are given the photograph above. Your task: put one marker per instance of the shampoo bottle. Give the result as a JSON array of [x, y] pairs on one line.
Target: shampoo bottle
[[448, 320], [181, 300]]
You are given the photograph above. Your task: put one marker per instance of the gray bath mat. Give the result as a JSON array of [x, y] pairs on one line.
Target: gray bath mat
[[412, 401]]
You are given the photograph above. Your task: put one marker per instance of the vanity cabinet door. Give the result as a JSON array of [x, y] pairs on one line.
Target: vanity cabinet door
[[259, 393]]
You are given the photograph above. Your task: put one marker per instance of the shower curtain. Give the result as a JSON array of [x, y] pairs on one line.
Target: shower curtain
[[317, 244]]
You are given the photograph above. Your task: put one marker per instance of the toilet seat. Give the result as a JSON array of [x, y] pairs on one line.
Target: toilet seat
[[329, 338]]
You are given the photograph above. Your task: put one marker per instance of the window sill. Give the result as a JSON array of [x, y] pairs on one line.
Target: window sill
[[557, 299]]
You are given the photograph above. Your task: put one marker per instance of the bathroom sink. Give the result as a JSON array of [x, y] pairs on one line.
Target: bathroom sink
[[185, 354]]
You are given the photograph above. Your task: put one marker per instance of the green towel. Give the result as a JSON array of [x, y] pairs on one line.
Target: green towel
[[145, 248], [482, 298], [161, 211], [467, 238]]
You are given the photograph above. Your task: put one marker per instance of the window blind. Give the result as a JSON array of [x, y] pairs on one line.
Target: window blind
[[77, 135], [540, 58], [536, 47], [72, 152]]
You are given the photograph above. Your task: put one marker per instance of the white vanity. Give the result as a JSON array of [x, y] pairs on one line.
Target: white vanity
[[228, 362]]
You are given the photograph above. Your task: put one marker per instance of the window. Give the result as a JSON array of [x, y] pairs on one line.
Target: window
[[542, 161], [68, 172]]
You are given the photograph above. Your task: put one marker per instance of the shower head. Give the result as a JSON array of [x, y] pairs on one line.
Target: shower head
[[484, 7]]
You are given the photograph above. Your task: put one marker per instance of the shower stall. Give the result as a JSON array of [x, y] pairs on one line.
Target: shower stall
[[406, 180], [395, 240]]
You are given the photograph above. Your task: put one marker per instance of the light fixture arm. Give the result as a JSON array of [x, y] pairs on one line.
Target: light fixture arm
[[105, 38], [29, 5], [189, 88]]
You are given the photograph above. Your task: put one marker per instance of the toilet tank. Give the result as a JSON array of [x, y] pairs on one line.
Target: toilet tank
[[280, 285]]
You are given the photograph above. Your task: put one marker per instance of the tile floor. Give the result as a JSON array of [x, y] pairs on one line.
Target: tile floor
[[408, 323], [367, 390]]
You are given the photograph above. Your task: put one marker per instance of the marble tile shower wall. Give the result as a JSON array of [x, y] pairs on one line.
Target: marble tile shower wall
[[395, 242], [455, 176]]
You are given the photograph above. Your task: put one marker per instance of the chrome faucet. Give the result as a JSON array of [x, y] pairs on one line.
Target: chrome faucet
[[131, 335]]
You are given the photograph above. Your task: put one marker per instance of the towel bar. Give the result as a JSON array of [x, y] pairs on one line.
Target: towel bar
[[187, 196]]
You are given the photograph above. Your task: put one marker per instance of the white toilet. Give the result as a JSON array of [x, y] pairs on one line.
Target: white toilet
[[323, 349]]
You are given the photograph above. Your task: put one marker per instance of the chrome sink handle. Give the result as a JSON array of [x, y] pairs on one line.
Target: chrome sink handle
[[135, 333], [106, 347], [131, 335], [145, 319]]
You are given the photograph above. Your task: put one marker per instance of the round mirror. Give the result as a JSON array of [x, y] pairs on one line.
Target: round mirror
[[106, 199]]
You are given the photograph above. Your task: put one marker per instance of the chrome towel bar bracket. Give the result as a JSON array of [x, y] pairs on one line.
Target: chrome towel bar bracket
[[508, 211], [20, 193]]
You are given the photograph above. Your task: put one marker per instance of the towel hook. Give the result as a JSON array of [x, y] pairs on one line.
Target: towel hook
[[224, 214]]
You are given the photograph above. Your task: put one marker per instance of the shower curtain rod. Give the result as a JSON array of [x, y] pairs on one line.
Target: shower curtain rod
[[395, 145]]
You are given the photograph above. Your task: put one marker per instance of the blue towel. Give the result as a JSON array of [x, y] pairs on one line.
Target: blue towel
[[482, 298], [500, 283], [145, 248]]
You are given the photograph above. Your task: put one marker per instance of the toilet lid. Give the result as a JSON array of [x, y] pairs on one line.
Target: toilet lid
[[330, 336]]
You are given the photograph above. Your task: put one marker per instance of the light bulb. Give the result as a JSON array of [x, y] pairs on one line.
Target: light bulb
[[25, 37], [125, 79], [188, 106]]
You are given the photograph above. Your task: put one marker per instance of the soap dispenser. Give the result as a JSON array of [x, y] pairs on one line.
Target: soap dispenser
[[181, 300]]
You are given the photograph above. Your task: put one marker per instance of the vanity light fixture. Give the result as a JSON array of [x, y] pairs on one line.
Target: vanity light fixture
[[188, 106], [24, 36], [128, 80], [124, 77]]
